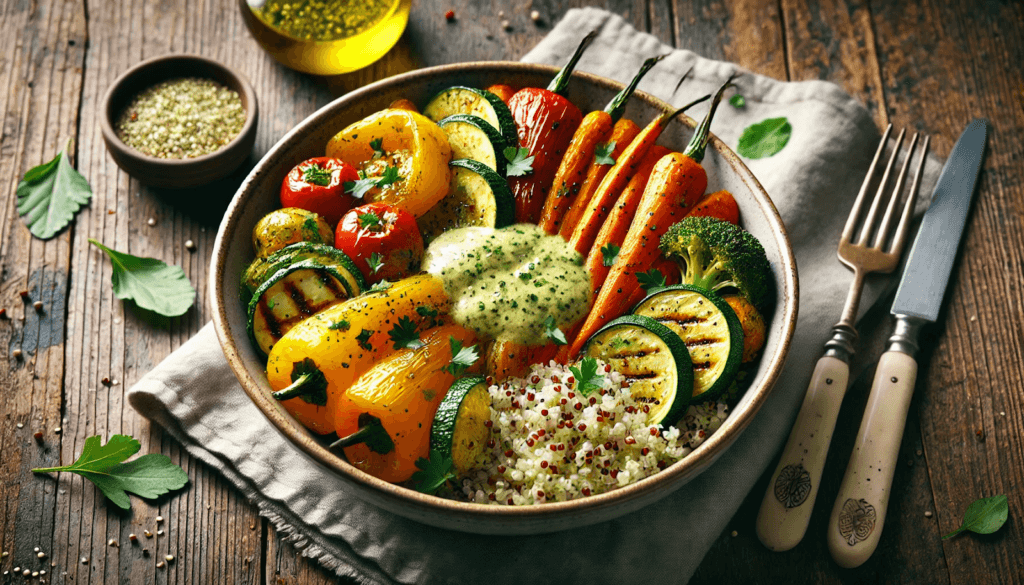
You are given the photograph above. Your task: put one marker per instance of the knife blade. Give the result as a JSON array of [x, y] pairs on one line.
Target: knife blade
[[859, 511]]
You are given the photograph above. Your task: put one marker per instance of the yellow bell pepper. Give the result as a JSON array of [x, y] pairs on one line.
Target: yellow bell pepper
[[409, 141], [318, 359]]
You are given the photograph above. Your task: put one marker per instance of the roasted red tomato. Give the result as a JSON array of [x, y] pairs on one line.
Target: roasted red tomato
[[318, 185], [383, 240]]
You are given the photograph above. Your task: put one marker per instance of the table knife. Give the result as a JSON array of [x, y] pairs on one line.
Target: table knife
[[859, 511]]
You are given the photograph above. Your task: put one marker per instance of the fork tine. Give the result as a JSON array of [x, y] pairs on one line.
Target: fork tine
[[858, 203], [885, 228], [904, 225], [869, 222]]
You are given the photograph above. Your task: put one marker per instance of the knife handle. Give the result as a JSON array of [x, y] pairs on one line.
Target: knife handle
[[859, 511], [789, 499]]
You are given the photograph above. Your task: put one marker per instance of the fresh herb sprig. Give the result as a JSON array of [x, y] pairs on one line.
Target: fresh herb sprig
[[153, 285], [404, 335], [651, 279], [552, 331], [376, 262], [609, 253], [984, 516], [519, 164], [587, 377], [603, 153], [434, 472], [462, 357], [360, 187]]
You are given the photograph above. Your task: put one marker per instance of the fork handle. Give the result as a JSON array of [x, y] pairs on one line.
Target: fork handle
[[859, 511], [789, 499]]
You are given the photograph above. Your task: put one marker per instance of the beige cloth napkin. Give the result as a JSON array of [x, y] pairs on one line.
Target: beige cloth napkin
[[813, 180]]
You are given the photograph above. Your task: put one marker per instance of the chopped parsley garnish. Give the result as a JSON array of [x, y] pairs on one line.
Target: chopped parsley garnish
[[376, 262], [609, 253], [518, 163], [364, 339], [377, 145], [360, 187], [587, 379], [339, 325], [433, 472], [380, 286], [425, 311], [603, 154], [553, 332], [651, 279], [404, 334], [369, 221], [462, 357], [737, 101], [315, 175]]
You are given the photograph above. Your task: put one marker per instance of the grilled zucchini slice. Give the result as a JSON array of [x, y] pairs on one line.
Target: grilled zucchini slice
[[478, 102], [291, 295], [460, 428], [654, 361], [477, 196], [472, 137], [709, 328], [263, 268]]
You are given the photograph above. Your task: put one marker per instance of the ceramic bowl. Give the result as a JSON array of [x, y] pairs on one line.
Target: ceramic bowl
[[170, 172], [258, 195]]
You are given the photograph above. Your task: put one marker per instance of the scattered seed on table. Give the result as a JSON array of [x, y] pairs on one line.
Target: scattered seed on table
[[170, 558], [85, 561], [38, 306], [23, 293], [4, 555], [501, 14], [449, 16], [159, 519], [41, 555], [151, 221], [159, 532], [506, 25], [112, 542], [105, 381], [734, 534], [133, 538], [190, 245], [34, 573], [43, 572], [20, 426], [16, 569], [57, 430], [148, 534], [928, 514], [160, 565], [38, 436], [17, 354], [3, 313], [145, 552], [36, 549], [535, 16], [26, 572]]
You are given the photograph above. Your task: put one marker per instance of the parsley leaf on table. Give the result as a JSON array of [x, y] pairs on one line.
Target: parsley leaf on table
[[148, 476], [149, 282], [462, 357], [603, 154], [404, 334], [651, 279], [984, 516], [50, 195], [518, 163], [434, 472], [552, 331], [587, 379], [609, 253], [765, 138]]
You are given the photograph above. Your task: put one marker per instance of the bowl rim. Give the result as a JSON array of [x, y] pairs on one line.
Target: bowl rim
[[702, 456], [248, 95]]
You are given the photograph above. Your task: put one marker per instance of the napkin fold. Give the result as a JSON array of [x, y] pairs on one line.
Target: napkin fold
[[813, 180]]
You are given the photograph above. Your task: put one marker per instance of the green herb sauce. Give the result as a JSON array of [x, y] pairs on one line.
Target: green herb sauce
[[505, 282]]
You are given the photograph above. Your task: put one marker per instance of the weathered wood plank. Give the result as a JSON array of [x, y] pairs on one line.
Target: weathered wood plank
[[746, 32], [41, 53]]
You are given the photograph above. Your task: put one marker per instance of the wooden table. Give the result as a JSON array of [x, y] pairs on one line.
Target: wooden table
[[929, 66]]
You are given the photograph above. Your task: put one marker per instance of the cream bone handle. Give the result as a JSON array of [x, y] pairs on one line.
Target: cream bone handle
[[859, 512], [789, 499]]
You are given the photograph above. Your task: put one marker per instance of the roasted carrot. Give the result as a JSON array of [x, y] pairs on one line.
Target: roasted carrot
[[595, 129], [720, 205], [404, 104], [507, 359], [676, 183], [585, 230], [546, 121], [614, 229], [503, 91]]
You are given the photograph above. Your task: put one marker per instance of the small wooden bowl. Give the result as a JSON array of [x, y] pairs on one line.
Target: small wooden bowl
[[177, 173]]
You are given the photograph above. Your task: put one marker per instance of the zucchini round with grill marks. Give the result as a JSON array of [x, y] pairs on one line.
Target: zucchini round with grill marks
[[472, 137], [290, 296], [478, 102], [262, 269], [652, 359], [709, 328], [460, 428], [478, 196]]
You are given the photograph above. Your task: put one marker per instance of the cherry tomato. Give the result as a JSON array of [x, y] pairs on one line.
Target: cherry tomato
[[383, 240], [318, 185]]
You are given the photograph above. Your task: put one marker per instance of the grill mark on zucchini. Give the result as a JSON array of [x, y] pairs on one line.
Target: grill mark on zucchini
[[297, 297], [268, 317], [681, 322]]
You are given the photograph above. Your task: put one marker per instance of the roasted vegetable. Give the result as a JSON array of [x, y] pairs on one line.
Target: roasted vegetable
[[720, 204], [753, 326], [286, 226], [263, 268], [318, 185], [383, 240]]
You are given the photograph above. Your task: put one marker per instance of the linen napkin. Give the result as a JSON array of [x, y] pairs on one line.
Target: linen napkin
[[812, 181]]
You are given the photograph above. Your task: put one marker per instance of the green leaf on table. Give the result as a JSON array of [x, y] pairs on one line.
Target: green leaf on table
[[149, 282], [433, 472], [404, 334], [738, 101], [148, 476], [984, 516], [519, 163], [765, 138], [603, 153], [587, 379], [552, 331], [50, 195]]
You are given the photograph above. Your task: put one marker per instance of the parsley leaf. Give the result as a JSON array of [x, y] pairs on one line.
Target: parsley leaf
[[380, 286], [377, 145], [765, 138], [603, 154], [339, 325], [148, 476], [404, 334], [984, 516], [518, 163], [376, 262], [553, 332], [429, 314], [738, 101], [609, 253], [434, 472], [314, 175], [651, 279], [462, 357], [50, 195], [390, 177], [360, 187], [587, 379], [364, 339], [149, 282], [369, 221]]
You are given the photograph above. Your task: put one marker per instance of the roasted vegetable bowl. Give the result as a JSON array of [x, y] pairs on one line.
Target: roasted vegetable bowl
[[438, 332]]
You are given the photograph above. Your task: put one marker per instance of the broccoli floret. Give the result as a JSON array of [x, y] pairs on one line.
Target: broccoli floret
[[716, 255]]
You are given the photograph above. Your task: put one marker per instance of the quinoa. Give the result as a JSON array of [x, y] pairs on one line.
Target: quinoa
[[551, 444]]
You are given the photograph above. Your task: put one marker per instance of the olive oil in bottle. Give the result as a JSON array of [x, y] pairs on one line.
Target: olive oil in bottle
[[326, 37]]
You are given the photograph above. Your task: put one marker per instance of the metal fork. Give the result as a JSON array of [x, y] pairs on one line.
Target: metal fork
[[789, 499]]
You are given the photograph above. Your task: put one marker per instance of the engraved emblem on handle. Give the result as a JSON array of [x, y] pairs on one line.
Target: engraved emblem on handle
[[793, 485], [857, 520]]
